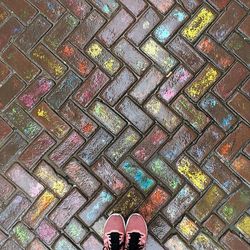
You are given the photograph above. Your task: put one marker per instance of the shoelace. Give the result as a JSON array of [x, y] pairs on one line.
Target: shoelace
[[134, 242], [115, 244]]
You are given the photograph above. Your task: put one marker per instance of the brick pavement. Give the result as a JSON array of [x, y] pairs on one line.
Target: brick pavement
[[122, 106]]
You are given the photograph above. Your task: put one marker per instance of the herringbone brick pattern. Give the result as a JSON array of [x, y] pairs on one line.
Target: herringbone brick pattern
[[121, 106]]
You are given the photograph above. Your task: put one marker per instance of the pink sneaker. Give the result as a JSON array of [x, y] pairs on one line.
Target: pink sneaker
[[114, 233], [136, 233]]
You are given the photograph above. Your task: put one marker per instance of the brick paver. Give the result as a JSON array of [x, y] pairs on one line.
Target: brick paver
[[122, 106]]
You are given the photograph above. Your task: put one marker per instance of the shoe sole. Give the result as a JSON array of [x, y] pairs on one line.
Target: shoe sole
[[139, 215]]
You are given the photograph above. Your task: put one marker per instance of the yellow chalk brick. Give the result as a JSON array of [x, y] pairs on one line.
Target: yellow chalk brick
[[198, 24], [198, 178]]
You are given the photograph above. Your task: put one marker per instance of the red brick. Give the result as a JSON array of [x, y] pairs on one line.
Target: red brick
[[13, 147], [247, 150], [96, 207], [22, 9], [103, 57], [225, 87], [170, 25], [47, 238], [186, 53], [67, 208], [237, 203], [34, 92], [36, 244], [91, 87], [10, 244], [221, 174], [131, 56], [109, 175], [135, 6], [206, 143], [115, 28], [171, 87], [162, 113], [128, 203], [78, 119], [227, 21], [19, 62], [162, 5], [219, 112], [4, 71], [75, 59], [238, 45], [5, 129], [159, 227], [50, 120], [22, 121], [3, 13], [50, 8], [79, 7], [214, 225], [202, 241], [234, 142], [190, 113], [82, 178], [149, 145], [118, 87], [178, 143], [36, 150], [244, 27], [60, 31], [242, 167], [6, 190], [246, 88], [123, 144], [191, 5], [215, 53], [66, 149], [86, 29], [29, 38], [146, 84], [219, 4], [153, 203], [232, 242], [107, 117], [180, 203], [167, 176], [3, 238], [241, 105], [95, 146], [92, 243], [13, 210], [134, 114], [48, 61], [9, 31], [137, 175], [207, 203], [106, 6], [63, 90], [143, 26]]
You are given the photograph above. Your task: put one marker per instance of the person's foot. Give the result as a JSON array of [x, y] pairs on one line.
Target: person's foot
[[136, 233], [114, 233]]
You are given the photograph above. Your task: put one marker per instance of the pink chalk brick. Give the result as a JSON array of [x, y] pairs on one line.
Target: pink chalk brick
[[66, 149], [24, 180]]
